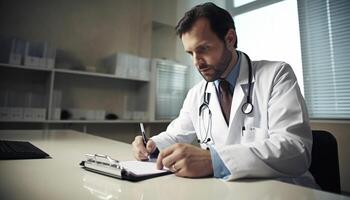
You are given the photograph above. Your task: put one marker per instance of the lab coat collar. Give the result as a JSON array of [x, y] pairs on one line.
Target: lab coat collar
[[241, 90], [244, 71]]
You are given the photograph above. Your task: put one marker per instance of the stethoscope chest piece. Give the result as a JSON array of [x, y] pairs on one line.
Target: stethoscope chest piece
[[247, 108]]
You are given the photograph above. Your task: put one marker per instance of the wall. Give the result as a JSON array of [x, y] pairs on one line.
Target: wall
[[164, 11], [163, 41], [340, 129], [88, 29], [163, 29]]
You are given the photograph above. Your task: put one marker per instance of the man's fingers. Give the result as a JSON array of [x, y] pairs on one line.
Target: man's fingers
[[150, 146], [139, 149], [171, 159], [140, 156], [180, 168], [162, 155]]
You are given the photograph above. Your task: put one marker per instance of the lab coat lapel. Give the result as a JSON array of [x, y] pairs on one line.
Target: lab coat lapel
[[240, 92], [220, 128]]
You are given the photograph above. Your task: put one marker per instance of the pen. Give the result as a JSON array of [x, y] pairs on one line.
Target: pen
[[143, 134], [243, 129], [153, 156]]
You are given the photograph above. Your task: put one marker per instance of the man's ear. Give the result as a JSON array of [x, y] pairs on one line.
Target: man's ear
[[230, 39]]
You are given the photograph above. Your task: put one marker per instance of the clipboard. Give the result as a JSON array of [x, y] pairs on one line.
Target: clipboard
[[125, 170]]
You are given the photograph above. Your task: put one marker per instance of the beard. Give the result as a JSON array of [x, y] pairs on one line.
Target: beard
[[213, 72]]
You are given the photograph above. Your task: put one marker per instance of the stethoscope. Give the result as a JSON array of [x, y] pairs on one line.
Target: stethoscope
[[246, 108]]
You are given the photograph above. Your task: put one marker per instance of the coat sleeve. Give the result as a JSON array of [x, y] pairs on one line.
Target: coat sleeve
[[181, 129], [286, 152]]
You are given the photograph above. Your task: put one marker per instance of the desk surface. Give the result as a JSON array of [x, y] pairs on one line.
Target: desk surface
[[62, 178]]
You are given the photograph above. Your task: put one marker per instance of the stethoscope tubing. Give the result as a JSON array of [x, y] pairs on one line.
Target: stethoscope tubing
[[246, 108]]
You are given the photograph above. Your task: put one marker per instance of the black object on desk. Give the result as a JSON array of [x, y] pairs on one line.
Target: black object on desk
[[10, 150]]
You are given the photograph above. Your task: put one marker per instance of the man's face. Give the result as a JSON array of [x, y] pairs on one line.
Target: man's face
[[209, 53]]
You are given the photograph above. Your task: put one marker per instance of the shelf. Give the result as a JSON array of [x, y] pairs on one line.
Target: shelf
[[26, 121], [121, 121], [25, 67], [126, 121], [68, 71], [92, 121]]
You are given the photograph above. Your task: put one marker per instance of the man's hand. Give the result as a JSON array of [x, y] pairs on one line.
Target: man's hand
[[186, 160], [140, 151]]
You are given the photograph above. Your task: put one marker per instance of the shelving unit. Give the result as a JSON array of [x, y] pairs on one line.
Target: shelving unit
[[167, 84], [53, 78]]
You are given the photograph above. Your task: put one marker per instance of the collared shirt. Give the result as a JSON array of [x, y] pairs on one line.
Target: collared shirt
[[232, 76], [219, 167]]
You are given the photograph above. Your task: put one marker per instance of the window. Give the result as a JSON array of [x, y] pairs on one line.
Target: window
[[325, 39], [238, 3], [172, 86], [272, 33]]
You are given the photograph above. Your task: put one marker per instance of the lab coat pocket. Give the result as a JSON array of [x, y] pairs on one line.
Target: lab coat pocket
[[253, 134]]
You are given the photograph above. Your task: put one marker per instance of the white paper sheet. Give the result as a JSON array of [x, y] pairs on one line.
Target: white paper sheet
[[141, 167]]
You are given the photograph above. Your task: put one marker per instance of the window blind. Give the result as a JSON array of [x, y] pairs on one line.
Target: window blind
[[172, 87], [325, 46]]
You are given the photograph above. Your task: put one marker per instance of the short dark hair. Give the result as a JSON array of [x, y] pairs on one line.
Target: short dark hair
[[219, 19]]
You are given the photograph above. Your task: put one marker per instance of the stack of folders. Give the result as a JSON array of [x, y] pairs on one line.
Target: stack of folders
[[126, 65], [126, 170], [17, 105], [17, 51], [11, 50], [39, 54]]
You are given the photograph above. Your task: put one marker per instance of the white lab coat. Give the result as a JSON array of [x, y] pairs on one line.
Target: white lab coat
[[277, 139]]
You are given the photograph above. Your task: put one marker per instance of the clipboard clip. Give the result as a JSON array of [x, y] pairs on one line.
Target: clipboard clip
[[106, 160]]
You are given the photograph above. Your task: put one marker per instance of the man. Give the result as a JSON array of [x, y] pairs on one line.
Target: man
[[249, 117]]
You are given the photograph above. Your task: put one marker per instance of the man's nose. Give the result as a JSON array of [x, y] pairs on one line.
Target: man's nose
[[197, 60]]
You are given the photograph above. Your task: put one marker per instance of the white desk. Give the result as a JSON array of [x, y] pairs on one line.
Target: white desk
[[62, 178]]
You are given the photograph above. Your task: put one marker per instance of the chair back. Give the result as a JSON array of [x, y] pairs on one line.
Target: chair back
[[325, 164]]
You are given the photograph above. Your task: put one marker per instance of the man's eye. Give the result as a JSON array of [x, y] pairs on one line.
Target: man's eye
[[203, 49]]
